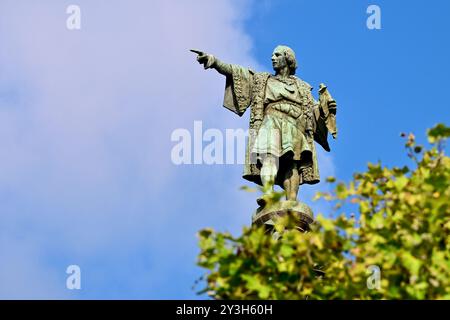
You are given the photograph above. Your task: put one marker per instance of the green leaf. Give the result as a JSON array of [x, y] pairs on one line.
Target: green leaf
[[440, 131], [401, 183], [331, 179]]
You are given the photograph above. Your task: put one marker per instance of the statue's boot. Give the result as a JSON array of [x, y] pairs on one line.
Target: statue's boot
[[263, 200]]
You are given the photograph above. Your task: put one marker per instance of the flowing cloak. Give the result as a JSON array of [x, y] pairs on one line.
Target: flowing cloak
[[245, 88]]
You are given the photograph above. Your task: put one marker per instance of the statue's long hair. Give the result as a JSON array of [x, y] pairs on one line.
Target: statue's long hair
[[291, 61]]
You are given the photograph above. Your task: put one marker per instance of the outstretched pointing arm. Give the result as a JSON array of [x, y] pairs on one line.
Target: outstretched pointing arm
[[209, 61]]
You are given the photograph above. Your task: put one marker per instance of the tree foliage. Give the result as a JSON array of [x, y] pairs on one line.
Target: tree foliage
[[401, 226]]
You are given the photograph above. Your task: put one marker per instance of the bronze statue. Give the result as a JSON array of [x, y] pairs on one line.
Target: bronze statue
[[285, 120]]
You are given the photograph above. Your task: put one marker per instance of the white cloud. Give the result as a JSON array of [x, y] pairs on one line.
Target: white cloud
[[86, 117]]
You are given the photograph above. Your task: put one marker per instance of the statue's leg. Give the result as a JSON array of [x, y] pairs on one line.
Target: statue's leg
[[269, 170], [287, 181], [291, 181], [287, 186], [295, 182]]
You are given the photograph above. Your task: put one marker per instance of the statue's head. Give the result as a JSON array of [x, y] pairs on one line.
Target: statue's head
[[284, 56]]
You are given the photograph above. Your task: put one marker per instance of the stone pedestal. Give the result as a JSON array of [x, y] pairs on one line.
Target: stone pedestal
[[267, 214]]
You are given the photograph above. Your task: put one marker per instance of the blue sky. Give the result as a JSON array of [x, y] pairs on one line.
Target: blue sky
[[86, 118]]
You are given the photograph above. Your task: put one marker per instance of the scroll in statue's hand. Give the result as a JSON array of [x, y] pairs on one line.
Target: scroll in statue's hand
[[203, 58], [327, 107]]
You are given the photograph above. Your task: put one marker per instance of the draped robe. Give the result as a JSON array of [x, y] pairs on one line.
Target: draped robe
[[245, 89]]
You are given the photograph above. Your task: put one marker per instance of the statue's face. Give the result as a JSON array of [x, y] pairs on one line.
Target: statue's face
[[278, 59]]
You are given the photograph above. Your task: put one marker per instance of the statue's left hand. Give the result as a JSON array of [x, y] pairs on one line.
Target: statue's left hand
[[330, 104]]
